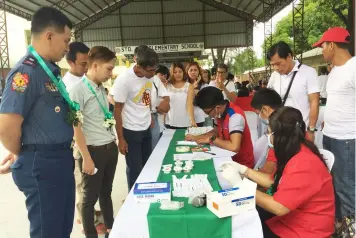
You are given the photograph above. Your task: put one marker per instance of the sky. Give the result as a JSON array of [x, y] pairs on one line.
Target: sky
[[258, 31]]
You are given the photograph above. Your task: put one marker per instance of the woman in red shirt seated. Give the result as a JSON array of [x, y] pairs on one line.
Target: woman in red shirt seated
[[302, 203]]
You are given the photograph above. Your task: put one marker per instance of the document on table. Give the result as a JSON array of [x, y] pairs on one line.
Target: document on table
[[215, 152], [220, 152], [185, 142]]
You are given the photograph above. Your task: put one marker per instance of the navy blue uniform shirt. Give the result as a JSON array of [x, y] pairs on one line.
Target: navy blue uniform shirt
[[30, 93]]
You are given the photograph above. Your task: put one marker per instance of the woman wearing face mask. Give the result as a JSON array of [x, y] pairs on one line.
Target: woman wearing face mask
[[231, 132], [181, 99], [194, 73], [302, 201]]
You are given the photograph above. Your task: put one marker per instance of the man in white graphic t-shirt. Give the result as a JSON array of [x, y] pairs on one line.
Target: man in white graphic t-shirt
[[132, 94], [340, 124]]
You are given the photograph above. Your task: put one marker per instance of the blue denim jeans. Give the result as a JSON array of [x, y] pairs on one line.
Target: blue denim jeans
[[45, 176], [139, 150], [343, 172]]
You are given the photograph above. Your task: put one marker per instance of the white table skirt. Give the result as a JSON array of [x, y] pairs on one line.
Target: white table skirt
[[131, 221]]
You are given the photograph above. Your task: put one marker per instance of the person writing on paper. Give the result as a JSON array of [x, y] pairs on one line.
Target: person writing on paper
[[301, 200], [231, 132]]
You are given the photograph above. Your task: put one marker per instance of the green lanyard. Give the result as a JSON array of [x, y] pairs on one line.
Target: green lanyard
[[107, 114], [74, 106]]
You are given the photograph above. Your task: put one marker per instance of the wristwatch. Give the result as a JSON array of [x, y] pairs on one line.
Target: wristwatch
[[212, 139], [312, 129]]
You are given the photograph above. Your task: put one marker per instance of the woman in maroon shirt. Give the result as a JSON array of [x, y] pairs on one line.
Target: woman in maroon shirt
[[300, 202]]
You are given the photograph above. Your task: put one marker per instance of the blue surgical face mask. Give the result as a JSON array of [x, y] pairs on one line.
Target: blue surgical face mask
[[270, 145], [264, 121]]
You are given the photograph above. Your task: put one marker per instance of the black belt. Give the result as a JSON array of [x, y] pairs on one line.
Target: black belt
[[103, 147], [44, 147]]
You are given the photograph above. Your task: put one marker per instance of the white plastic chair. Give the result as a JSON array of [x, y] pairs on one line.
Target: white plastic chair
[[329, 158], [252, 122], [260, 151]]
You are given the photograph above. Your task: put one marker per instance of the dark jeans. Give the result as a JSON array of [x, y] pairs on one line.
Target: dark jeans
[[264, 216], [44, 173], [98, 186], [139, 150], [155, 131], [343, 172]]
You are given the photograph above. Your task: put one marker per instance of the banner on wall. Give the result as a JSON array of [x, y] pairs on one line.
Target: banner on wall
[[168, 48]]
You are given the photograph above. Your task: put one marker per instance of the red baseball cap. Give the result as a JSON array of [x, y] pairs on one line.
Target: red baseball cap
[[335, 34]]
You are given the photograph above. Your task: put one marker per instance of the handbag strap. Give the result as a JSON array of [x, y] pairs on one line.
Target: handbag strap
[[290, 85]]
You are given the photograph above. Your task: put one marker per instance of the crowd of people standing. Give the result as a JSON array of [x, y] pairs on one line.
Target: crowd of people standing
[[41, 114]]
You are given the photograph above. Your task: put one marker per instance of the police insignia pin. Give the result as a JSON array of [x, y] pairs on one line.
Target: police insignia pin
[[57, 109], [51, 87], [20, 82]]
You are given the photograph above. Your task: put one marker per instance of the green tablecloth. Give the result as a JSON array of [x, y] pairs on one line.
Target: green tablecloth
[[188, 222]]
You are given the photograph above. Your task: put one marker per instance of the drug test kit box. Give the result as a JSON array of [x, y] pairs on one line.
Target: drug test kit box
[[233, 201], [152, 192]]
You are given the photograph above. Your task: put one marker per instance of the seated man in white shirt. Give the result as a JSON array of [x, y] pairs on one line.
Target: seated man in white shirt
[[304, 89], [77, 58]]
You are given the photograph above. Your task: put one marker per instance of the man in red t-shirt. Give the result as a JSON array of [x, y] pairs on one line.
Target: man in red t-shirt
[[231, 130]]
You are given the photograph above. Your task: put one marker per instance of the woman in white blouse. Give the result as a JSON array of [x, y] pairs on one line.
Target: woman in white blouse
[[194, 73], [181, 99]]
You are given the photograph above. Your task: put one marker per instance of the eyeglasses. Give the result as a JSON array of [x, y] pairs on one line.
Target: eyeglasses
[[211, 110], [151, 70]]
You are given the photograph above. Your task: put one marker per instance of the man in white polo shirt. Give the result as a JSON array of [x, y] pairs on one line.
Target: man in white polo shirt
[[340, 122], [132, 95], [77, 58], [304, 88]]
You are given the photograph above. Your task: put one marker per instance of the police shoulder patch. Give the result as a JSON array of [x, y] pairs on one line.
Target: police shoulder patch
[[30, 60], [20, 82]]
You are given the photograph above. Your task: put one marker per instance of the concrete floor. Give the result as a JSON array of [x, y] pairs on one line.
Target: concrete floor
[[13, 213]]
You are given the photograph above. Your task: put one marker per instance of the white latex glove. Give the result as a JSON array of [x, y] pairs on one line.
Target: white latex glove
[[232, 172], [231, 176], [239, 168]]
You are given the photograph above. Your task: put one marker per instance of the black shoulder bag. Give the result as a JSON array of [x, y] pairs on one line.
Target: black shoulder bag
[[289, 86]]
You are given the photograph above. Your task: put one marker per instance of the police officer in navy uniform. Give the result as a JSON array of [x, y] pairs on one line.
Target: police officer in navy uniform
[[34, 130]]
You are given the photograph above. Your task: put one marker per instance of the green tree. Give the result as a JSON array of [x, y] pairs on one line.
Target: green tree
[[240, 63], [319, 15]]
